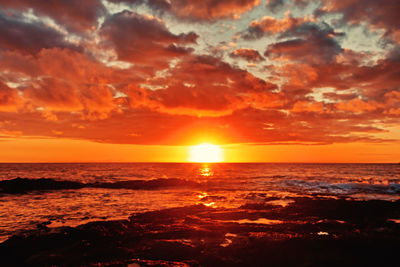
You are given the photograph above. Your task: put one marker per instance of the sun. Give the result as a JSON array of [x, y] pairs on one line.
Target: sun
[[205, 153]]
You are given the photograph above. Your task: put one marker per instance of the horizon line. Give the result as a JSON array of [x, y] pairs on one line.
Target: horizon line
[[186, 162]]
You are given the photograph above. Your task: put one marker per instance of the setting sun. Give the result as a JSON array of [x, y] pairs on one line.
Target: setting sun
[[205, 153]]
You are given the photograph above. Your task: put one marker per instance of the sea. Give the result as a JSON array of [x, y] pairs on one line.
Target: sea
[[113, 191]]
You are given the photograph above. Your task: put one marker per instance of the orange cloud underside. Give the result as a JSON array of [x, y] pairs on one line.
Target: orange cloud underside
[[141, 80]]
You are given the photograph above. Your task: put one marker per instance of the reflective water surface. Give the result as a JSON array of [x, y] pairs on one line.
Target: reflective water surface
[[217, 185]]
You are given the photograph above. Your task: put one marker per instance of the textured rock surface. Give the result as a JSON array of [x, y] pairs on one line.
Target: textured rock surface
[[308, 232]]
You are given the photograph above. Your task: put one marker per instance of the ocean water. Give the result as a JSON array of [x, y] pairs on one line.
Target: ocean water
[[109, 191]]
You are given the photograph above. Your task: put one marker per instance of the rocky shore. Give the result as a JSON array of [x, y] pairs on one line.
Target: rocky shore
[[310, 231]]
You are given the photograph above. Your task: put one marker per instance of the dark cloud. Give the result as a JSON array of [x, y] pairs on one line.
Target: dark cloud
[[274, 5], [317, 44], [75, 15], [382, 14], [144, 39], [28, 37]]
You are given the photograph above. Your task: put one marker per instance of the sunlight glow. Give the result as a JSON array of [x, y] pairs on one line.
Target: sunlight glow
[[205, 153]]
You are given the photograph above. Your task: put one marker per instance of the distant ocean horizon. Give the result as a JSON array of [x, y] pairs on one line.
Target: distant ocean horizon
[[188, 162]]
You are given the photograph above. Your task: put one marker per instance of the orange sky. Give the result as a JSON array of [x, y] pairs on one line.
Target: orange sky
[[66, 150], [271, 81]]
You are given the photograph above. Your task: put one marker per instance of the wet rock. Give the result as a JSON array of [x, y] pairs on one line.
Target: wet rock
[[23, 185], [312, 232]]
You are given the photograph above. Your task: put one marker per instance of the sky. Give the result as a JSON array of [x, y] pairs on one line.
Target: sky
[[140, 80]]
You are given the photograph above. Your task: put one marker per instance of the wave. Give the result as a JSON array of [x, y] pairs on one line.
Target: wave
[[147, 184], [24, 185], [342, 188]]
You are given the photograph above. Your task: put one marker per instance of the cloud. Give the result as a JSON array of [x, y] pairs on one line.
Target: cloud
[[72, 83], [302, 127], [177, 89], [269, 25], [217, 89], [27, 37], [376, 98], [357, 105], [316, 44], [276, 5], [339, 97], [221, 98], [94, 101], [210, 9], [9, 98], [75, 15], [144, 39], [205, 10], [378, 14], [371, 81], [248, 54], [308, 106]]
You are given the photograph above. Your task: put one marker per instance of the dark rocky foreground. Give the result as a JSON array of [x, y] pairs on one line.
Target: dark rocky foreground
[[308, 232]]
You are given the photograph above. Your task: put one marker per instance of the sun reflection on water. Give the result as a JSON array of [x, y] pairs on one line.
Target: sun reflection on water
[[202, 195], [204, 199], [206, 171]]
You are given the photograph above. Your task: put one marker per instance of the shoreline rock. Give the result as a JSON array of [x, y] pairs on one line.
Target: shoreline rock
[[313, 232]]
